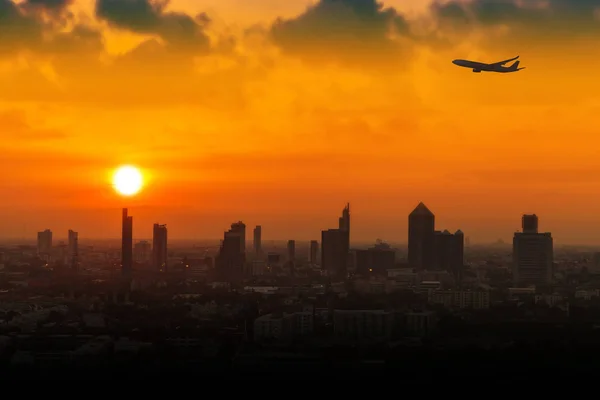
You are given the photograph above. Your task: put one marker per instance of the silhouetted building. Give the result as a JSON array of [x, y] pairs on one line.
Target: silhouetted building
[[44, 242], [334, 252], [73, 248], [159, 248], [421, 241], [291, 249], [335, 246], [529, 223], [258, 239], [127, 244], [344, 221], [142, 251], [375, 261], [240, 229], [449, 252], [231, 259], [533, 256], [313, 252]]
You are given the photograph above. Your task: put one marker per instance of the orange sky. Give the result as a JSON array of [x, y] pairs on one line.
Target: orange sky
[[277, 112]]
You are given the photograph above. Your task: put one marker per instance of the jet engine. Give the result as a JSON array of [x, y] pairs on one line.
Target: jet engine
[[476, 70]]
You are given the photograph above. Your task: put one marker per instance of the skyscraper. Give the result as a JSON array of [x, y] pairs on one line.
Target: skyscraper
[[529, 223], [449, 252], [159, 248], [291, 249], [258, 239], [421, 231], [44, 242], [313, 252], [73, 247], [344, 221], [127, 244], [231, 259], [334, 252], [240, 228], [533, 255], [335, 246]]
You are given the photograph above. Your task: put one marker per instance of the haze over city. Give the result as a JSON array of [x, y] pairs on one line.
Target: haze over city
[[277, 112]]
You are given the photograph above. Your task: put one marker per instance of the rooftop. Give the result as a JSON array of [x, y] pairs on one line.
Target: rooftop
[[421, 209]]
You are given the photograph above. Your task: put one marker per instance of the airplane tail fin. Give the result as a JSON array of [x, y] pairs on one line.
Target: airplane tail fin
[[515, 66]]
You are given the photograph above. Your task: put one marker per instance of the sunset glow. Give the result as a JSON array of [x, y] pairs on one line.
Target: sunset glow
[[277, 112]]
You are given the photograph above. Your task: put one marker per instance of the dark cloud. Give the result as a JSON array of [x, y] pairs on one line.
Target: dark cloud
[[32, 25], [350, 31], [17, 29], [178, 30], [549, 19]]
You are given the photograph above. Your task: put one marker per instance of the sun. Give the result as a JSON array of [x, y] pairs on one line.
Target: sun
[[127, 180]]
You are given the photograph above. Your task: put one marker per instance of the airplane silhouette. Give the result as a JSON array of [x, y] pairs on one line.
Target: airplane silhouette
[[495, 67]]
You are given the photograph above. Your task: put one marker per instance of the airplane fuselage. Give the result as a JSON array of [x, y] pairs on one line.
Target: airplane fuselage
[[479, 67]]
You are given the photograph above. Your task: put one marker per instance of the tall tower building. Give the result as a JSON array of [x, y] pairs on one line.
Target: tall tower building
[[159, 248], [44, 242], [291, 249], [127, 244], [73, 247], [421, 241], [240, 229], [529, 223], [313, 252], [449, 252], [344, 221], [258, 239], [231, 259], [533, 255], [335, 246]]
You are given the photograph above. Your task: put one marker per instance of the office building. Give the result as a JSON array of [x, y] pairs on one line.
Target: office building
[[344, 220], [291, 250], [334, 252], [73, 244], [533, 255], [239, 228], [449, 252], [529, 223], [258, 239], [313, 252], [73, 248], [421, 241], [127, 244], [231, 259], [159, 248], [44, 242], [335, 246], [375, 261]]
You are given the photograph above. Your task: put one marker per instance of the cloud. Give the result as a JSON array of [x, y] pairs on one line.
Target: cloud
[[178, 30], [548, 21], [43, 28], [182, 58], [354, 32]]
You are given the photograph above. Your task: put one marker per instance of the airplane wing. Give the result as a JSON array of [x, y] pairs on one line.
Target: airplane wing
[[505, 61]]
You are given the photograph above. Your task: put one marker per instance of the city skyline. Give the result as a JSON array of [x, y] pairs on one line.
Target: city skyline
[[276, 112], [343, 224]]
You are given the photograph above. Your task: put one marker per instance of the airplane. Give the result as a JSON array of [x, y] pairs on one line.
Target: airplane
[[495, 67]]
